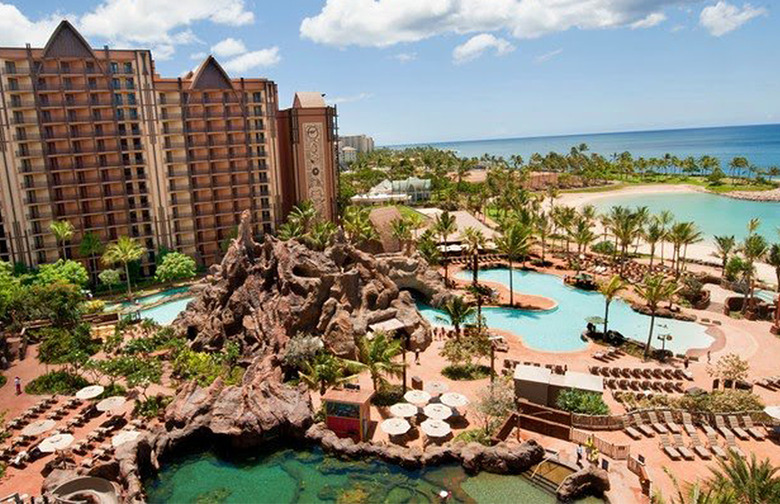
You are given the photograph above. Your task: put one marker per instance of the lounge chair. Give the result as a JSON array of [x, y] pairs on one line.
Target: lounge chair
[[718, 450], [688, 424], [658, 426], [668, 374], [735, 427], [616, 372], [647, 373], [633, 433], [766, 383], [637, 373], [670, 451], [640, 424], [720, 425], [752, 429], [670, 423], [679, 445], [658, 374], [698, 447], [732, 445], [678, 387]]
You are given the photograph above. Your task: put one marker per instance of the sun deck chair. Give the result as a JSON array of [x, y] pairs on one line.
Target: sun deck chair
[[670, 450], [698, 447], [614, 371], [670, 423], [678, 374], [668, 374], [637, 373], [720, 425], [679, 445], [688, 424], [658, 426], [737, 429], [678, 387], [717, 449], [641, 425], [657, 374], [752, 429], [633, 433], [766, 383], [731, 443], [647, 373], [594, 370]]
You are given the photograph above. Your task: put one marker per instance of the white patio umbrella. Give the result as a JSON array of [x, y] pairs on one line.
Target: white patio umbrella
[[124, 437], [38, 427], [417, 397], [436, 388], [403, 410], [437, 411], [435, 428], [111, 403], [454, 400], [773, 411], [90, 392], [56, 442], [395, 426]]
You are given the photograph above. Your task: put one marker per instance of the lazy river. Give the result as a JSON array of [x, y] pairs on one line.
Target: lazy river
[[291, 476], [559, 329]]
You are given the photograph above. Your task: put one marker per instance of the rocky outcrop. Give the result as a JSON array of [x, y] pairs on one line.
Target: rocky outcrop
[[664, 312], [588, 481], [413, 273], [264, 293]]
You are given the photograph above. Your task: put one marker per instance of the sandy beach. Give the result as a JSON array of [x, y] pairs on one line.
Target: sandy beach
[[703, 251]]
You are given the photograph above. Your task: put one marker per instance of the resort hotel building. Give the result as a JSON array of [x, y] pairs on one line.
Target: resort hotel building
[[97, 138]]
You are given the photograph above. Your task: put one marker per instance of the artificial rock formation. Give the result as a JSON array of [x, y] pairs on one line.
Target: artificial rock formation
[[587, 481], [414, 274], [264, 293]]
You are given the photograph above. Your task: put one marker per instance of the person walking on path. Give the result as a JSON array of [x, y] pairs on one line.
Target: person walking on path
[[686, 361], [18, 384], [579, 454]]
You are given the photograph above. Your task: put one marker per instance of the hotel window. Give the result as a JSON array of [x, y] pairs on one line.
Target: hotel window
[[114, 67], [128, 67], [96, 115], [13, 84], [129, 83], [68, 83], [117, 99], [90, 67], [10, 67], [65, 67], [258, 97], [120, 114], [133, 113], [115, 83], [92, 83], [131, 98]]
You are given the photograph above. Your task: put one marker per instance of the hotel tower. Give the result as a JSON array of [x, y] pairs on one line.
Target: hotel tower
[[97, 138]]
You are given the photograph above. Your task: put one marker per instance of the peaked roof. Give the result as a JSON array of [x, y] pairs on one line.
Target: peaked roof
[[67, 42], [308, 99], [211, 75]]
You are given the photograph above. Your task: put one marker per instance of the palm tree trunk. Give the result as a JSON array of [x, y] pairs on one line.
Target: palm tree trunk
[[475, 273], [127, 276], [650, 334], [606, 315], [652, 254], [511, 288]]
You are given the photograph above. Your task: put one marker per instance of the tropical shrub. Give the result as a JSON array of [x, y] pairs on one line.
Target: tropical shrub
[[205, 367], [94, 306], [56, 382], [579, 401], [175, 266], [62, 271], [604, 247], [474, 436], [301, 348], [110, 277], [388, 394], [465, 372], [151, 407], [3, 380]]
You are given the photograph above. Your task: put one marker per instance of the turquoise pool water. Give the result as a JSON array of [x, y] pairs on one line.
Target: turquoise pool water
[[715, 215], [151, 299], [165, 313], [559, 329], [309, 477]]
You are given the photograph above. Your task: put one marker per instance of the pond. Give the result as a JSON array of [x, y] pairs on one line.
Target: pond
[[304, 476]]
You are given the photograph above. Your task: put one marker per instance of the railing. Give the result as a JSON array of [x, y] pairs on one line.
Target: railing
[[614, 451], [598, 422]]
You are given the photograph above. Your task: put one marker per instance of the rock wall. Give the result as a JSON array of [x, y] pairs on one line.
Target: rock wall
[[264, 293], [413, 273]]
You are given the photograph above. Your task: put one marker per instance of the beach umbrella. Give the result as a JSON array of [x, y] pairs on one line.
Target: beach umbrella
[[773, 411], [56, 442], [436, 388], [124, 437], [417, 397], [437, 411], [454, 400], [435, 428], [38, 427], [403, 410], [395, 426], [90, 392], [111, 403]]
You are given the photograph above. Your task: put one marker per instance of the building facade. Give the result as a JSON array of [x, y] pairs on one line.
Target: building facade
[[361, 143], [97, 138]]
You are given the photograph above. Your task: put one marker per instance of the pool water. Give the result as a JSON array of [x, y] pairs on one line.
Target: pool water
[[151, 299], [165, 313], [291, 476], [715, 215], [559, 329]]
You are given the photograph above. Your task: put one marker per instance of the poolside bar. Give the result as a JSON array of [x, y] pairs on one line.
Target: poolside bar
[[348, 412]]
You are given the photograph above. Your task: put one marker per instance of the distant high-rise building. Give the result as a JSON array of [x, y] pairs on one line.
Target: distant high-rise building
[[360, 143], [97, 138]]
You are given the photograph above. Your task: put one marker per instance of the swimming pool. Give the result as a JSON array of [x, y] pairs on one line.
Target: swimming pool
[[165, 313], [559, 329], [150, 299]]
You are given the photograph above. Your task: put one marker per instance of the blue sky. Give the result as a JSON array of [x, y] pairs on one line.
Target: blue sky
[[429, 70]]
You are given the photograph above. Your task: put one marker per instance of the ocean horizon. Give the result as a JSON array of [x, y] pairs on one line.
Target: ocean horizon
[[759, 143]]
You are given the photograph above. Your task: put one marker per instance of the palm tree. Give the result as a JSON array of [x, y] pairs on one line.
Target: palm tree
[[655, 289], [773, 258], [515, 244], [444, 226], [543, 230], [725, 245], [63, 232], [665, 218], [609, 290], [125, 250], [748, 482], [754, 248], [653, 234], [90, 247], [402, 231], [458, 312], [582, 234], [323, 371], [357, 226], [304, 214], [473, 241], [376, 355]]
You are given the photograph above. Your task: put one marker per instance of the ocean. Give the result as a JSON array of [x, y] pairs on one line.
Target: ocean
[[759, 144]]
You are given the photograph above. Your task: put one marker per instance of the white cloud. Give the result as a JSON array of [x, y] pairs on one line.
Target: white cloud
[[651, 20], [381, 23], [254, 59], [405, 57], [349, 99], [476, 46], [160, 25], [723, 17], [228, 47], [198, 55], [548, 56]]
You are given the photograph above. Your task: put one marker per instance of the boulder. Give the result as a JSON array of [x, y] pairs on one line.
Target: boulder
[[588, 481]]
